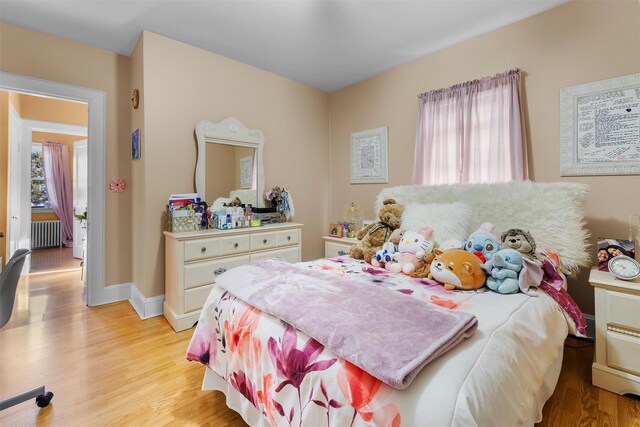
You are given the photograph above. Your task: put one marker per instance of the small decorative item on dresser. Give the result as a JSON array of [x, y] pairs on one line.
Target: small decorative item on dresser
[[624, 267], [335, 230]]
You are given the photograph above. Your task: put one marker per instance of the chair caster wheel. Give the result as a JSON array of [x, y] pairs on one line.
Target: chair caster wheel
[[44, 399]]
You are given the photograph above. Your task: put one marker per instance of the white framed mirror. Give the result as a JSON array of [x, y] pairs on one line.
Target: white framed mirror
[[229, 163]]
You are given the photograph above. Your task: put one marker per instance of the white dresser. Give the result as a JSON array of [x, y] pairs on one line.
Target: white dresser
[[617, 360], [337, 246], [194, 259]]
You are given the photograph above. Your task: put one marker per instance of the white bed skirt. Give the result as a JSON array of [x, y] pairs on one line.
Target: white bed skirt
[[251, 416]]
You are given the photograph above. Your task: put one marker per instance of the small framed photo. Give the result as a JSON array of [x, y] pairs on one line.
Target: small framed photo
[[608, 248], [135, 145], [335, 230]]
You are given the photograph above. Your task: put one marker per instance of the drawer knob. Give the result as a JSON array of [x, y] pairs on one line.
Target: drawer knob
[[219, 271], [288, 237], [235, 245], [203, 249], [341, 252], [264, 241]]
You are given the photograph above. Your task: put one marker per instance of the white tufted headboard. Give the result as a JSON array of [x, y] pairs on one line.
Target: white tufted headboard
[[551, 212]]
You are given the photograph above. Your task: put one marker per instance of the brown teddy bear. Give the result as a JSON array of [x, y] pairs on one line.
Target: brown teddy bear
[[375, 234]]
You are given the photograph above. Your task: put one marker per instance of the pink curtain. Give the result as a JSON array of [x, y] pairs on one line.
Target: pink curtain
[[58, 182], [472, 133]]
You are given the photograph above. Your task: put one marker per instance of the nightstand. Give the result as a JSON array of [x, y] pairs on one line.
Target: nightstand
[[617, 359], [337, 246]]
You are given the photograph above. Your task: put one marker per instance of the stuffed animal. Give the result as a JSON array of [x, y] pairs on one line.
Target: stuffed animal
[[482, 242], [375, 234], [505, 269], [520, 240], [458, 269], [425, 269], [450, 244], [412, 248], [385, 255]]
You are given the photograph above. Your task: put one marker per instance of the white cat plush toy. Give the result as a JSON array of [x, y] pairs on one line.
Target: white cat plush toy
[[412, 248]]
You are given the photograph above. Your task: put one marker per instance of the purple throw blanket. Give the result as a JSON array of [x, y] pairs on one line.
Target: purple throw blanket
[[386, 333]]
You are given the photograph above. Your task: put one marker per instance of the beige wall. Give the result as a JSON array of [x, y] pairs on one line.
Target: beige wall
[[182, 85], [37, 55], [576, 43]]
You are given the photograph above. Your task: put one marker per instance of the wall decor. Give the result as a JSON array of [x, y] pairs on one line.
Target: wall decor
[[117, 185], [600, 127], [136, 150], [369, 156], [246, 172], [135, 98]]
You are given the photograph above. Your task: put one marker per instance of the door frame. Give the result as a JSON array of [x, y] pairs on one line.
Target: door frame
[[97, 292]]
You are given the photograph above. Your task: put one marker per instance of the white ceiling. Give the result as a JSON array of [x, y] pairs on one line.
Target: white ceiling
[[327, 44]]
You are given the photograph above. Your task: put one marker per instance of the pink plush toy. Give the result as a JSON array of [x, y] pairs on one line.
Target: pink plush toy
[[412, 248]]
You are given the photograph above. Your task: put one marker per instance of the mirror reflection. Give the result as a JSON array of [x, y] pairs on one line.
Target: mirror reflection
[[230, 172]]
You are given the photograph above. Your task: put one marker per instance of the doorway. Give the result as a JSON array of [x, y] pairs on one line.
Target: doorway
[[97, 292]]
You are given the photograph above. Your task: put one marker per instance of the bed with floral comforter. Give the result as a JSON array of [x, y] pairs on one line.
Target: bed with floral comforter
[[273, 374]]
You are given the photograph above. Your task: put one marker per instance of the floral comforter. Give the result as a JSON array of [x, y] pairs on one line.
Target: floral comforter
[[290, 379]]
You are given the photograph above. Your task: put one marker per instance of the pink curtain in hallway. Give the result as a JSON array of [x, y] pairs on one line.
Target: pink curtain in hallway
[[472, 133], [59, 187]]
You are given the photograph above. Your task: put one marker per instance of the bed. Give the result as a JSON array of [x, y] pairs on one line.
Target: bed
[[500, 374]]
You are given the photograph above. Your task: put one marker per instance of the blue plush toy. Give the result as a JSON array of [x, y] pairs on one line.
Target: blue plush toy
[[505, 269], [482, 242], [384, 255]]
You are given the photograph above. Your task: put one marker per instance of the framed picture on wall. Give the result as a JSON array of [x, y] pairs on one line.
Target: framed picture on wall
[[136, 151], [369, 156], [600, 127]]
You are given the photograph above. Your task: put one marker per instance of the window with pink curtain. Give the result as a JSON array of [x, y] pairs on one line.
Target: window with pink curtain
[[472, 133], [58, 181]]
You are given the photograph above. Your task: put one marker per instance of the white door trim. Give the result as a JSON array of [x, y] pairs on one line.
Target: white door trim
[[97, 292]]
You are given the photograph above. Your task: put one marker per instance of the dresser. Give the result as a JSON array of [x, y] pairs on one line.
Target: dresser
[[337, 246], [194, 259], [617, 360]]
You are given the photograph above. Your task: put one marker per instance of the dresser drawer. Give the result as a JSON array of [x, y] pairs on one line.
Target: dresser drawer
[[623, 352], [205, 272], [332, 249], [235, 244], [202, 248], [623, 309], [288, 237], [194, 298], [289, 254], [263, 241]]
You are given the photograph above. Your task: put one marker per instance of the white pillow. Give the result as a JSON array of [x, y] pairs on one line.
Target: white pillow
[[448, 220]]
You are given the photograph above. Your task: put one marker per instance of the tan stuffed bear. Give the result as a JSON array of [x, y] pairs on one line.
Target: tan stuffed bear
[[375, 234]]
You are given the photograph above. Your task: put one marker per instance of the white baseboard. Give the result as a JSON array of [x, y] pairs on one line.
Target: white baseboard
[[145, 307], [113, 293], [591, 326]]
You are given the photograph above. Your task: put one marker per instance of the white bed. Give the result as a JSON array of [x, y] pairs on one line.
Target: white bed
[[502, 375]]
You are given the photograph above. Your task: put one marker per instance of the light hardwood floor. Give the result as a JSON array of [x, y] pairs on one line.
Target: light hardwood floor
[[107, 367]]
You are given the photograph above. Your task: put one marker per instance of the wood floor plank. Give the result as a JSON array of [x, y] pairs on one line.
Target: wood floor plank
[[109, 368]]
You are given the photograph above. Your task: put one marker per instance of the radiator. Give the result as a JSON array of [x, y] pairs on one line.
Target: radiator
[[45, 234]]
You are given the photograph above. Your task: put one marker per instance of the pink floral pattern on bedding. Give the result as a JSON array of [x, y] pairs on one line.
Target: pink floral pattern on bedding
[[290, 378]]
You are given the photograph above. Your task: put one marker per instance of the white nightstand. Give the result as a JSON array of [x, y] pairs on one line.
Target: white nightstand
[[337, 246], [617, 359]]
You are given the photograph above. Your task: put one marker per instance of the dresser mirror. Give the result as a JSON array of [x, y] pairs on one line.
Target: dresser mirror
[[229, 163]]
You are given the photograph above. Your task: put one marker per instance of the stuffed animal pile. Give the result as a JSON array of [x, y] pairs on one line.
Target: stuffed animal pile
[[374, 235]]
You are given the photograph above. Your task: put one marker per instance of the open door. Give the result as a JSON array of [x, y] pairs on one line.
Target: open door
[[80, 196], [19, 233]]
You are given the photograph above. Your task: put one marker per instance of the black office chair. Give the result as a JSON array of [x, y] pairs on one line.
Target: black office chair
[[8, 285]]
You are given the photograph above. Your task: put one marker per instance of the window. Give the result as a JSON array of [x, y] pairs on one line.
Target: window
[[471, 133], [39, 196]]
